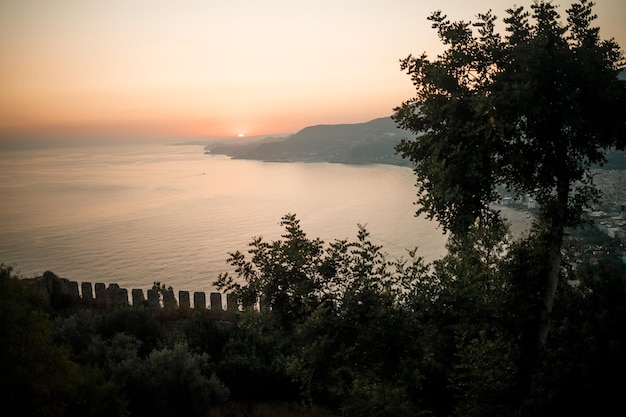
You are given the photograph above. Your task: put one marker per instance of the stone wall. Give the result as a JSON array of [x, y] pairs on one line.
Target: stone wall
[[99, 295]]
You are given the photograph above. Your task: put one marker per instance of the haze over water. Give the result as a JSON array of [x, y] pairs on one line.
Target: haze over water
[[137, 214]]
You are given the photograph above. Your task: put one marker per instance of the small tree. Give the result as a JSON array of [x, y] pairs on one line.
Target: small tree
[[283, 275]]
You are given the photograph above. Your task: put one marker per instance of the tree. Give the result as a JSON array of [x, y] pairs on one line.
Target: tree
[[336, 323], [454, 155], [282, 275], [532, 110]]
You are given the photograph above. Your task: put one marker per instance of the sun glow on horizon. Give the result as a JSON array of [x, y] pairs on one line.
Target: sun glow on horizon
[[177, 72]]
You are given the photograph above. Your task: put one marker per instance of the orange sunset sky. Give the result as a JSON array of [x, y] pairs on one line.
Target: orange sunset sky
[[154, 69]]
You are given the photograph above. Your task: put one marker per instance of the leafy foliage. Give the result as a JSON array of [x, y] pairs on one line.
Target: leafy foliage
[[532, 111], [382, 338], [33, 367], [282, 275]]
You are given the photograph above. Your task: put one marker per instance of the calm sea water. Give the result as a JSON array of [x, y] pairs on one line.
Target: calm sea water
[[133, 215]]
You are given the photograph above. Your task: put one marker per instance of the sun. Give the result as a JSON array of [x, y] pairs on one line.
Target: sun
[[241, 135]]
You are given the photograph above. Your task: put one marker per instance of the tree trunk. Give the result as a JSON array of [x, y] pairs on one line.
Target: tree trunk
[[555, 243]]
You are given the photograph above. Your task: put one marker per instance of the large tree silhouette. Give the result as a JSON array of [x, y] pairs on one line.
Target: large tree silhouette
[[532, 110]]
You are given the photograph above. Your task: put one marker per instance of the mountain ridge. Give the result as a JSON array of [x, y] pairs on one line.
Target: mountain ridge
[[357, 143]]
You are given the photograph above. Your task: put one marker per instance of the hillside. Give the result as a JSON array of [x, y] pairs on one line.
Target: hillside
[[360, 143], [369, 142]]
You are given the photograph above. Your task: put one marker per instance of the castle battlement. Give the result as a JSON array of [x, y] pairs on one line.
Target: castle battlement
[[99, 295]]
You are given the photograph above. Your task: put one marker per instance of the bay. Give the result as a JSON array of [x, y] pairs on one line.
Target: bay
[[136, 214]]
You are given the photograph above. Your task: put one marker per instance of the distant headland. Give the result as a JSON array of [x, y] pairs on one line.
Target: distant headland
[[371, 142]]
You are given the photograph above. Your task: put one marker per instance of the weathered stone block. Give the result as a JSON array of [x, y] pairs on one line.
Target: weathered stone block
[[116, 296], [154, 300], [199, 300], [232, 304], [101, 291], [183, 299], [169, 302], [87, 291], [137, 296], [216, 301], [121, 297], [72, 290]]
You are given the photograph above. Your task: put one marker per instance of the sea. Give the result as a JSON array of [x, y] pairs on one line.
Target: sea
[[137, 214]]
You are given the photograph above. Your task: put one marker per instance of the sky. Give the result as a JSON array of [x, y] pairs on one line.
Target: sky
[[154, 69]]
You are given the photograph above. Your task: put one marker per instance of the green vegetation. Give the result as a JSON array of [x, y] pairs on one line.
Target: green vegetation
[[497, 327], [532, 110], [343, 331]]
